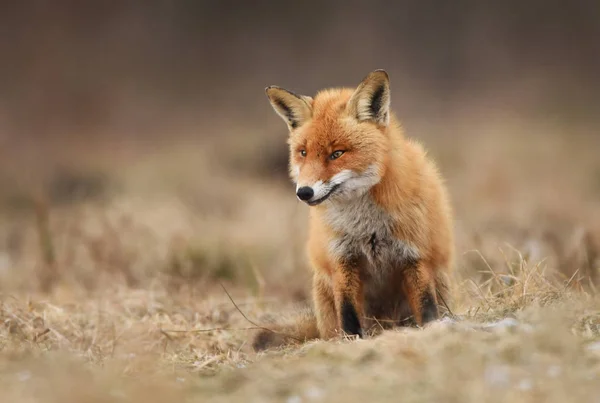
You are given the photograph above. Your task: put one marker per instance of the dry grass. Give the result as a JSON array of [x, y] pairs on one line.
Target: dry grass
[[115, 295], [528, 341]]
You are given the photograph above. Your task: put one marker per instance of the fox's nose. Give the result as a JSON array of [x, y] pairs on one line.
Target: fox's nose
[[305, 193]]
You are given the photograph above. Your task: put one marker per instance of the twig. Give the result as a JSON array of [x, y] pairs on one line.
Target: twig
[[214, 329], [380, 320], [494, 275], [440, 296], [481, 293], [40, 335], [254, 323], [378, 323], [167, 339], [570, 280], [164, 333], [207, 362]]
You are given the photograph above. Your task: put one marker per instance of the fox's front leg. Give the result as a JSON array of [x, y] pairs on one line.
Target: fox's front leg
[[324, 303], [419, 288], [349, 296]]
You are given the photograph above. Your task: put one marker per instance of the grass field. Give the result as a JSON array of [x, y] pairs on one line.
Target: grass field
[[114, 265]]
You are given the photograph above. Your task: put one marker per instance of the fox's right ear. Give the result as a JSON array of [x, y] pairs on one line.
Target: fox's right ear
[[294, 109]]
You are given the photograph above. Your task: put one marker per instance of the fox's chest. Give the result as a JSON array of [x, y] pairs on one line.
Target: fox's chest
[[365, 230]]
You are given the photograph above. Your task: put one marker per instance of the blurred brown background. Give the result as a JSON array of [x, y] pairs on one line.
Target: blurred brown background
[[135, 136], [83, 68]]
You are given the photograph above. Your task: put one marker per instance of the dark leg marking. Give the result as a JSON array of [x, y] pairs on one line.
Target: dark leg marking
[[429, 310], [350, 322]]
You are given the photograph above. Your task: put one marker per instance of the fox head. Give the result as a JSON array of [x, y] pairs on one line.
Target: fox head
[[338, 140]]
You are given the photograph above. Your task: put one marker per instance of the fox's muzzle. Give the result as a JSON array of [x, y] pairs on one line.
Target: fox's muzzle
[[313, 196], [305, 193]]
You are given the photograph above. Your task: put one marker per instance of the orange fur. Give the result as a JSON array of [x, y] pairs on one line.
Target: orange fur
[[381, 241]]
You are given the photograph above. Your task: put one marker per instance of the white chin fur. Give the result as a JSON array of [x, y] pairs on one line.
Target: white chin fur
[[353, 184], [321, 189]]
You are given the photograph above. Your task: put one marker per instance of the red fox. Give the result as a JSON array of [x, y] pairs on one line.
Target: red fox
[[380, 238]]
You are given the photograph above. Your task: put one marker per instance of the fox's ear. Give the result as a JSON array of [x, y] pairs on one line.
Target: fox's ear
[[371, 100], [294, 109]]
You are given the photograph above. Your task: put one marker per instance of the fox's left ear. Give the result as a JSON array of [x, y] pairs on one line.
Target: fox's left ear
[[371, 100], [294, 109]]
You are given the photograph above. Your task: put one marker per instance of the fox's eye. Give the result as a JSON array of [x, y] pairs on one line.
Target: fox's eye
[[336, 154], [303, 153]]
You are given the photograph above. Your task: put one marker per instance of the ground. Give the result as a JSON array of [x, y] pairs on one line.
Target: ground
[[115, 271]]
